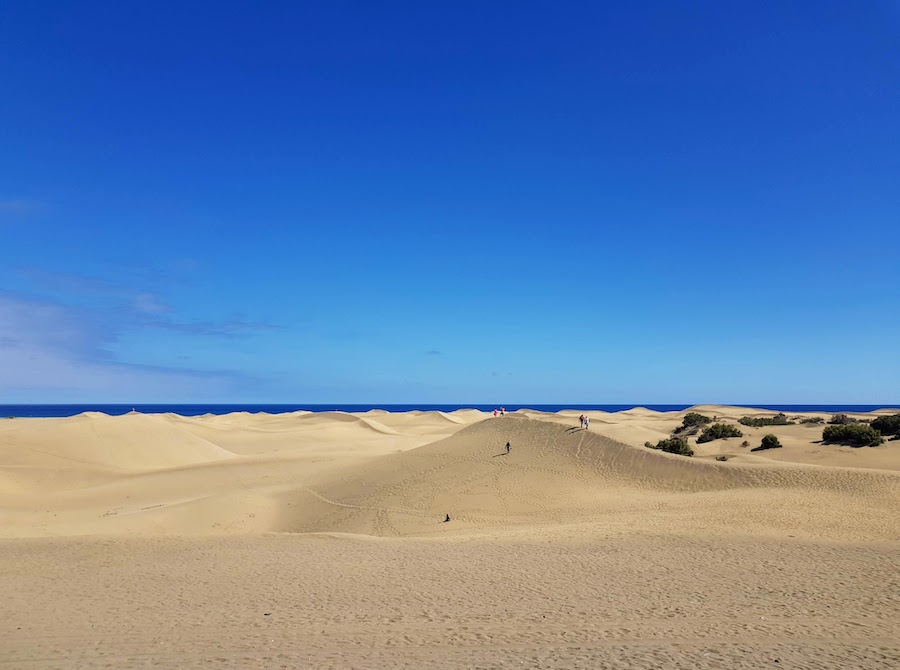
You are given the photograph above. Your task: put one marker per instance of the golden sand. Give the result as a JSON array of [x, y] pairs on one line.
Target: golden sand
[[318, 540]]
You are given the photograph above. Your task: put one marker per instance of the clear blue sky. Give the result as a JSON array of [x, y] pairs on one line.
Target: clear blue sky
[[450, 202]]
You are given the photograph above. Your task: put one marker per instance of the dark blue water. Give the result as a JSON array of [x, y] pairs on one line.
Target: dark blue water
[[195, 410]]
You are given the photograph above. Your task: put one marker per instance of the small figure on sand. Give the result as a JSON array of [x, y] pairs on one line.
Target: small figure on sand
[[587, 422], [581, 420], [495, 412], [446, 518], [502, 411], [507, 447]]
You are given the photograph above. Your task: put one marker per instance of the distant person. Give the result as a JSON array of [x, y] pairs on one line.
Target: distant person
[[507, 447], [581, 421], [446, 518], [495, 412], [587, 422], [502, 411]]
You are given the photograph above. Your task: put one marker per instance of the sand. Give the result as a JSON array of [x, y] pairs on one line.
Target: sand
[[317, 540]]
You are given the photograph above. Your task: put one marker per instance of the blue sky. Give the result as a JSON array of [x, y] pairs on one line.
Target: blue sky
[[450, 202]]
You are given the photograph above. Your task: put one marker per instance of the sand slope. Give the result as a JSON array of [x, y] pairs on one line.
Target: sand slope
[[398, 475], [564, 476], [317, 540]]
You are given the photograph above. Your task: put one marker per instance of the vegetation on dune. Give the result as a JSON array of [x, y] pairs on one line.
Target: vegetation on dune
[[842, 420], [723, 457], [768, 442], [887, 425], [779, 419], [695, 419], [691, 424], [717, 431], [673, 445], [812, 419], [852, 435]]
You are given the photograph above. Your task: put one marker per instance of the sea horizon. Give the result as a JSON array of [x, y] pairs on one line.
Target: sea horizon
[[61, 410]]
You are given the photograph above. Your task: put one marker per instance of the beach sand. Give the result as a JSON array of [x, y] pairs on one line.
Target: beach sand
[[317, 540]]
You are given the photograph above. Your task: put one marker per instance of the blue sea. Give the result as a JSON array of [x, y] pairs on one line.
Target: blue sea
[[196, 410]]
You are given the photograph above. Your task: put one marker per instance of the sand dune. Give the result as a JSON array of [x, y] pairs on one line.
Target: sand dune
[[93, 440], [306, 513], [398, 475], [563, 475]]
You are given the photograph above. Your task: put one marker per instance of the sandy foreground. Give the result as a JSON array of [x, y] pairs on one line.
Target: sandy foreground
[[317, 540]]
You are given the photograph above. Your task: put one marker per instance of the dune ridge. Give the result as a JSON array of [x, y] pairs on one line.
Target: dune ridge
[[319, 540], [400, 474]]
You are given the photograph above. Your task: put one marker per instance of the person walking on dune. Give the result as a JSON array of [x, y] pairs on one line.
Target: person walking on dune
[[507, 447], [587, 422], [581, 421]]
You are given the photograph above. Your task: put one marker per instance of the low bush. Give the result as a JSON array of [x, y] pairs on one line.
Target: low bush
[[842, 420], [745, 443], [812, 419], [768, 442], [717, 431], [673, 445], [723, 457], [887, 425], [691, 425], [757, 421], [695, 419], [853, 435]]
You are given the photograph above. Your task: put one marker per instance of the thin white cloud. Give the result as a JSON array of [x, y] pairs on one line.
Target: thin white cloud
[[50, 353], [149, 303]]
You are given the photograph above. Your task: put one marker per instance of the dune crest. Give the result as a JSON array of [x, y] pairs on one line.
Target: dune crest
[[400, 474]]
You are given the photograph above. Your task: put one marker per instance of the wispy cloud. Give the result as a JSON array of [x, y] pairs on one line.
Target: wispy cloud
[[433, 352], [72, 283], [149, 303], [137, 308], [52, 352], [228, 328]]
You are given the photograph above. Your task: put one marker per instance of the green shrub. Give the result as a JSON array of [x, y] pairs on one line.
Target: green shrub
[[717, 431], [853, 435], [887, 425], [812, 419], [695, 419], [673, 445], [757, 421], [842, 420], [768, 442]]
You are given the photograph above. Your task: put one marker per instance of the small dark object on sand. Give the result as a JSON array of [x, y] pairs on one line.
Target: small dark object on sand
[[446, 518]]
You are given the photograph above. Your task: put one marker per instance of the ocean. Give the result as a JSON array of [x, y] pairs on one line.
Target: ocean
[[196, 410]]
